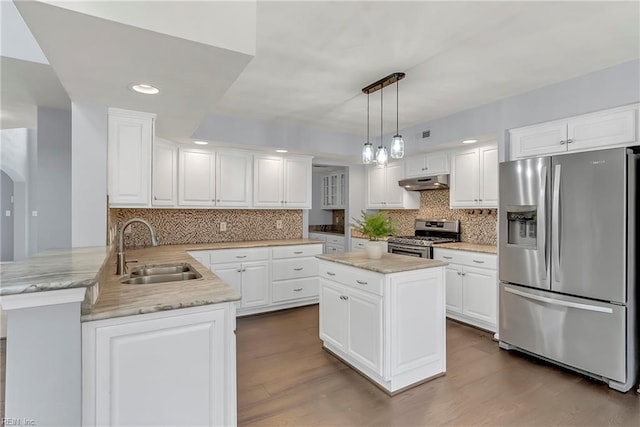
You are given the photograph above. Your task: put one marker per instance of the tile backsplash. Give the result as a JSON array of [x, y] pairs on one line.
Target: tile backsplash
[[476, 225], [178, 226]]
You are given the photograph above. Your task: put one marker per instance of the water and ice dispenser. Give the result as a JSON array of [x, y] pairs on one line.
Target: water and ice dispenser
[[522, 226]]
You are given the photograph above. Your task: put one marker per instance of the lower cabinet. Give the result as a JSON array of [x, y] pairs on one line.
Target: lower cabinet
[[175, 367], [390, 327], [471, 291], [251, 279]]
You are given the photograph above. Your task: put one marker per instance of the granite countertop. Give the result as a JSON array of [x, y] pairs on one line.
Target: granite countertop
[[389, 263], [53, 270], [335, 233], [471, 247], [116, 299]]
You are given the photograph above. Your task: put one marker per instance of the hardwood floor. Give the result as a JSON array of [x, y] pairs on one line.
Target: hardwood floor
[[286, 378]]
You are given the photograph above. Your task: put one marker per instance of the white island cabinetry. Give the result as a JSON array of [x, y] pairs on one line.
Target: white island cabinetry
[[168, 368], [389, 324]]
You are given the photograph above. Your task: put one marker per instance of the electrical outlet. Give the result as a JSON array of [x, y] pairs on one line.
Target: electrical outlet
[[223, 226], [279, 224]]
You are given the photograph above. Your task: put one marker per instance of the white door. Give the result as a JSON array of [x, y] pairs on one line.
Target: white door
[[453, 280], [394, 194], [233, 179], [325, 193], [137, 378], [437, 164], [415, 166], [268, 187], [129, 145], [376, 187], [230, 273], [333, 314], [538, 140], [165, 170], [464, 179], [600, 130], [196, 178], [255, 284], [364, 333], [297, 183], [479, 296], [488, 195]]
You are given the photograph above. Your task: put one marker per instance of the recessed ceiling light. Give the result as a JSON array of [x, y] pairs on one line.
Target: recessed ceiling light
[[200, 142], [282, 151], [144, 88], [469, 141]]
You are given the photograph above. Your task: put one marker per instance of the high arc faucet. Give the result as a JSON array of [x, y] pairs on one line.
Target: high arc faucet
[[121, 263]]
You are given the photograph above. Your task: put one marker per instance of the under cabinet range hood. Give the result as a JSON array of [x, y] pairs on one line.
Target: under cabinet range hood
[[437, 182]]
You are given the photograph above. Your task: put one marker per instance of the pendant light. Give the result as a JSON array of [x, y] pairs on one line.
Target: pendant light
[[367, 150], [397, 143], [382, 157]]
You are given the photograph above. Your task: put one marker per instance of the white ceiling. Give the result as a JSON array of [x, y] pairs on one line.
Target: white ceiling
[[312, 59]]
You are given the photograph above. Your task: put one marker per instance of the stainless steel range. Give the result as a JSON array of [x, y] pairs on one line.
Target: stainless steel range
[[427, 233]]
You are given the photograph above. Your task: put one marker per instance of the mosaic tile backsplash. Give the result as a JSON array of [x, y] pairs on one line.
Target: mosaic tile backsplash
[[476, 225], [178, 226]]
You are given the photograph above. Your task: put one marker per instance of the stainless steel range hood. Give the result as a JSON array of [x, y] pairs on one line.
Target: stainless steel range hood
[[437, 182]]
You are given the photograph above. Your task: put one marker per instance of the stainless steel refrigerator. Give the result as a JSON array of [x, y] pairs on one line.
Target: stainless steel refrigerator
[[568, 229]]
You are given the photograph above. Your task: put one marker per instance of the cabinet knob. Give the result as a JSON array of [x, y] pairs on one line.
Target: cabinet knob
[[562, 142], [475, 200], [464, 274], [155, 198], [240, 270], [459, 274], [569, 141]]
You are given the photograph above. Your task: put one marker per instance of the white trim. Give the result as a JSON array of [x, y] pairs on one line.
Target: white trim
[[39, 299]]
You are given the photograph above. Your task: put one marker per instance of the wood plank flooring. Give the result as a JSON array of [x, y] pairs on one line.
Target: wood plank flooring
[[285, 378]]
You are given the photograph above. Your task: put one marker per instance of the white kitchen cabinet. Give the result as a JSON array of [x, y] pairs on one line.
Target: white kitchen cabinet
[[333, 191], [165, 173], [357, 244], [390, 327], [282, 182], [295, 274], [610, 128], [474, 178], [214, 179], [427, 165], [175, 367], [130, 140], [472, 287], [383, 191]]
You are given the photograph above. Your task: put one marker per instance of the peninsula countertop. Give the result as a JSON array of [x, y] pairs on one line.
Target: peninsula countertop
[[388, 264], [117, 299]]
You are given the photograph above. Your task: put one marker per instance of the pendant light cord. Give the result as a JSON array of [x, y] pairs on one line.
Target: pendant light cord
[[397, 104], [367, 118], [381, 137]]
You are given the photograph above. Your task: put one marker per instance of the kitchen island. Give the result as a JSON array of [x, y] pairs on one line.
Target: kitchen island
[[385, 318]]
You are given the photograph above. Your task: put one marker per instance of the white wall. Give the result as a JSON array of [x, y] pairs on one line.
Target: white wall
[[89, 175]]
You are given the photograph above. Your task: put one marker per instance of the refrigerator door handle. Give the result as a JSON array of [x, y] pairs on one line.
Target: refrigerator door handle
[[555, 225], [559, 302], [542, 225]]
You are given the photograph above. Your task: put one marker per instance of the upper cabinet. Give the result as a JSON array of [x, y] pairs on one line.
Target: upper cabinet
[[282, 182], [165, 173], [427, 165], [214, 179], [608, 128], [333, 191], [130, 140], [383, 191], [474, 178]]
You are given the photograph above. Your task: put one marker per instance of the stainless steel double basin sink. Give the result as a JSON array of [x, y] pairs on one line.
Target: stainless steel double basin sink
[[161, 273]]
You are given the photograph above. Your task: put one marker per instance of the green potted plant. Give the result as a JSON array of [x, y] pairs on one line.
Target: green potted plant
[[374, 226]]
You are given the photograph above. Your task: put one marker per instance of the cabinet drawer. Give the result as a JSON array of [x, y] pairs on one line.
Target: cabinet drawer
[[332, 248], [294, 268], [295, 289], [318, 236], [472, 259], [335, 240], [221, 256], [353, 277], [296, 251]]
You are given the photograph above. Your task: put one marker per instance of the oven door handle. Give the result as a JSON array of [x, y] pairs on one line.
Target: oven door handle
[[423, 251]]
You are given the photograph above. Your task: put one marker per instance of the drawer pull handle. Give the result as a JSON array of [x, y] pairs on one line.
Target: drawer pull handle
[[362, 282], [447, 257], [298, 269], [297, 289], [239, 270], [478, 262], [297, 252], [330, 273], [241, 256]]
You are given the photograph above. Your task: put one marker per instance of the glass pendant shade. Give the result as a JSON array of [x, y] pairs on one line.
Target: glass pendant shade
[[367, 153], [382, 157], [397, 147]]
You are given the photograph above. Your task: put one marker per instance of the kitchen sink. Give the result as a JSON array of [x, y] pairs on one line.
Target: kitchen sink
[[164, 273]]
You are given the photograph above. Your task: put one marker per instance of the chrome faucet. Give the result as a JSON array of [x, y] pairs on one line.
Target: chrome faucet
[[121, 264]]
